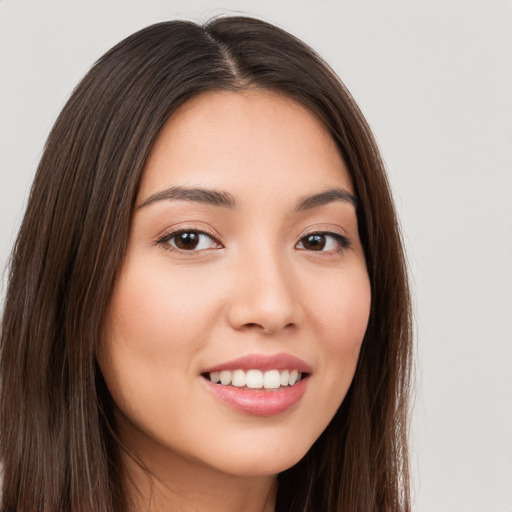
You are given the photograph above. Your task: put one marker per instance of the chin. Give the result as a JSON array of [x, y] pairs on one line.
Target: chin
[[263, 462]]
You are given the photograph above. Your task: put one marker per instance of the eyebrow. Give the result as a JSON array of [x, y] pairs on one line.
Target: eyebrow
[[227, 200], [329, 196], [198, 195]]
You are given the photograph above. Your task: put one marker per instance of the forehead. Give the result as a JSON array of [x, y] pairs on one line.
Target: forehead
[[255, 141]]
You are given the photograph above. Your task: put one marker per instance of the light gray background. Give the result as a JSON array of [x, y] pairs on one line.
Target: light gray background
[[434, 80]]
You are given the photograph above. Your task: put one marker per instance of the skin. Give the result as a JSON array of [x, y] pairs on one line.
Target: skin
[[254, 287]]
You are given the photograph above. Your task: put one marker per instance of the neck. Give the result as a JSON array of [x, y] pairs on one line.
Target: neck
[[184, 485]]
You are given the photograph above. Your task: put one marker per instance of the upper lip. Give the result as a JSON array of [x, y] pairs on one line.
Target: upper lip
[[279, 361]]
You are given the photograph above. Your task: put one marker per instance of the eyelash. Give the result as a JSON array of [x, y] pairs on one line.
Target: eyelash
[[165, 239], [342, 241]]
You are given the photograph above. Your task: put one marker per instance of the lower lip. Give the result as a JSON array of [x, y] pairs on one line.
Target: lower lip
[[260, 402]]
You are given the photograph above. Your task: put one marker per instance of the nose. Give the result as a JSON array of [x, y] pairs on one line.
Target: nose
[[264, 294]]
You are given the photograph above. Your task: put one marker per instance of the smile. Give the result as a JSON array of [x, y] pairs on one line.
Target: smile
[[258, 384], [256, 379]]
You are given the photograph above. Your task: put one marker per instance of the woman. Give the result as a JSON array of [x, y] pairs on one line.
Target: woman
[[208, 305]]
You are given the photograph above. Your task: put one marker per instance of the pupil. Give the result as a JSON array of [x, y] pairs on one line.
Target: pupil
[[315, 242], [187, 240]]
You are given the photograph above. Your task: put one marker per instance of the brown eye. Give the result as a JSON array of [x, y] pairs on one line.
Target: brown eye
[[186, 241], [314, 242], [189, 240], [323, 242]]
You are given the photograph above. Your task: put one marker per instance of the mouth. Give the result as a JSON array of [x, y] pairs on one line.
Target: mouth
[[271, 380], [259, 385]]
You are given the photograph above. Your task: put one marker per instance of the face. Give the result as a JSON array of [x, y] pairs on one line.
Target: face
[[244, 264]]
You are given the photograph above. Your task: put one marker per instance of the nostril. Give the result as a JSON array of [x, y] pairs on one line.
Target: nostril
[[266, 327]]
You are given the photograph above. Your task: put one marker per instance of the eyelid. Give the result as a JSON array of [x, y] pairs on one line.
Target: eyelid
[[188, 226], [327, 229], [173, 231], [336, 232]]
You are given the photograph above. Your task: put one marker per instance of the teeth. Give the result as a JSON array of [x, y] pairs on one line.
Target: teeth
[[272, 379], [225, 378], [256, 379], [239, 380]]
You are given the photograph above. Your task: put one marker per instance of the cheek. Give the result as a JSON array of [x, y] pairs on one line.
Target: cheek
[[341, 307], [340, 317], [156, 324], [156, 312]]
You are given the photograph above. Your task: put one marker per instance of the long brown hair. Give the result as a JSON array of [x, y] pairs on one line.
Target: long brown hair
[[57, 443]]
